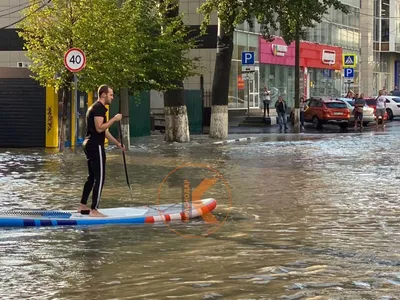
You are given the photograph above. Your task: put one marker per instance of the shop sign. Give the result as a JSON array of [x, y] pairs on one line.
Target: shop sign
[[279, 50], [329, 57], [240, 82]]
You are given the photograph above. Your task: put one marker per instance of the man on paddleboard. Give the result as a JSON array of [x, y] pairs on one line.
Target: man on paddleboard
[[93, 145]]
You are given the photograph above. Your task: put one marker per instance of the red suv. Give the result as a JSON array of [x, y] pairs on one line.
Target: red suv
[[326, 111]]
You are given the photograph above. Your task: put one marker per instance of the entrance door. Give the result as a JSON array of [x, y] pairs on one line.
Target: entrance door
[[254, 89]]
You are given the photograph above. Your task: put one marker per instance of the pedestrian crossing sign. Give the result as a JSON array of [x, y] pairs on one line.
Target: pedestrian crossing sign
[[349, 60]]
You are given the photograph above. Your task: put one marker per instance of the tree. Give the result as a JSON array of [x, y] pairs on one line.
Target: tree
[[176, 119], [293, 18], [230, 14], [122, 45]]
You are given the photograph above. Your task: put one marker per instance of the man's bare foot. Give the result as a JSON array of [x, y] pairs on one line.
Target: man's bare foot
[[96, 213], [82, 207]]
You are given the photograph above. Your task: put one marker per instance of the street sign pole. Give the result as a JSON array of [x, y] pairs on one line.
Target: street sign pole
[[74, 61], [248, 61], [248, 96], [76, 111]]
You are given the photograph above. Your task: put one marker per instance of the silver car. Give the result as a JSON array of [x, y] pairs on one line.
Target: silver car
[[368, 112]]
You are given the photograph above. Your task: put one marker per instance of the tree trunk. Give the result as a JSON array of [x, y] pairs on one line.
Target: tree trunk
[[220, 87], [176, 119], [296, 125], [64, 115], [124, 110]]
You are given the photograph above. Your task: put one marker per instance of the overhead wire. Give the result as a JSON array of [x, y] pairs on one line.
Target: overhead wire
[[23, 4], [27, 16]]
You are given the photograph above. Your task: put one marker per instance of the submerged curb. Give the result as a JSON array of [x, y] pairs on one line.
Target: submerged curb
[[234, 141]]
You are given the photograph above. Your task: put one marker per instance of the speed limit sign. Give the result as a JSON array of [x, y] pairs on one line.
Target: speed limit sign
[[74, 59]]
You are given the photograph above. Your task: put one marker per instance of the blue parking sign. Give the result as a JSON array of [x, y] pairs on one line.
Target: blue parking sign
[[348, 73], [247, 58]]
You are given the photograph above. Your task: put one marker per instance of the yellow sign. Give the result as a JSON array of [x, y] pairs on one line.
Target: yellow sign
[[349, 60]]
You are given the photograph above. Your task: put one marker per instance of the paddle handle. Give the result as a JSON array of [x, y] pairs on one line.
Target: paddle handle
[[123, 156]]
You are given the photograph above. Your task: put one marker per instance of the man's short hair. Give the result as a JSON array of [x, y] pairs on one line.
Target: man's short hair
[[103, 89]]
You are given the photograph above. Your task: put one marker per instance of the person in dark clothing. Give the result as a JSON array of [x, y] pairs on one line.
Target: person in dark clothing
[[303, 107], [359, 104], [93, 146], [281, 107]]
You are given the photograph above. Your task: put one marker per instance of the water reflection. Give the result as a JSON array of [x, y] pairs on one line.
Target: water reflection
[[312, 216]]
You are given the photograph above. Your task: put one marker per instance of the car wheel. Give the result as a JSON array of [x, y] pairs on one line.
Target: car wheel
[[390, 114], [316, 123], [365, 123]]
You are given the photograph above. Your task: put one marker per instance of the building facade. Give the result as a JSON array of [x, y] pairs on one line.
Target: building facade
[[371, 31], [385, 60], [11, 46]]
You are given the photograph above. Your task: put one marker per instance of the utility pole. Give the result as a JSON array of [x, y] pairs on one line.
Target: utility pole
[[124, 107], [296, 127]]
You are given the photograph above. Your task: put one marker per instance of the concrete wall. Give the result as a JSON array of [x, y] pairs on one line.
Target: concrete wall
[[207, 56], [207, 65], [156, 100], [367, 57], [11, 12]]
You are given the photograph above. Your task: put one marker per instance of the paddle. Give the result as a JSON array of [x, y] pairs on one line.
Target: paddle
[[123, 152]]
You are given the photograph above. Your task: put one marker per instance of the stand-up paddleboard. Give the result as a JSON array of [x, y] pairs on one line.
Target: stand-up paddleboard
[[119, 215]]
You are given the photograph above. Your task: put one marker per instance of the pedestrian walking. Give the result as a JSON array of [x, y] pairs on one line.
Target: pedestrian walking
[[281, 108], [380, 109]]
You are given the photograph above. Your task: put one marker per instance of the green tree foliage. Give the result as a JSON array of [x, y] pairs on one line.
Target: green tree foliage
[[133, 46], [230, 13], [125, 46], [291, 16]]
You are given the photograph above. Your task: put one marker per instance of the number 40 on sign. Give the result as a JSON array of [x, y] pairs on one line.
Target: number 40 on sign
[[74, 60]]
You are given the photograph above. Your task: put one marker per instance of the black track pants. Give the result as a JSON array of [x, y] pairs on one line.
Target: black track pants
[[96, 163]]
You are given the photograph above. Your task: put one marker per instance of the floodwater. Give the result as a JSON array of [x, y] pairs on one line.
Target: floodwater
[[311, 216]]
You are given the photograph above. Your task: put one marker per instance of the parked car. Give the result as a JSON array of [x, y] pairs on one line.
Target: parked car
[[371, 102], [368, 112], [322, 110]]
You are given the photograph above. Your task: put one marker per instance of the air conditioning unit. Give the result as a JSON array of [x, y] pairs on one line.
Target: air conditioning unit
[[23, 64]]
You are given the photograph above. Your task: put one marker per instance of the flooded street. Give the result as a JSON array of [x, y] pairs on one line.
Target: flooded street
[[312, 216]]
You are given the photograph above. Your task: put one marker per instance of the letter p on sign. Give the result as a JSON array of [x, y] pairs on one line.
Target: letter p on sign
[[247, 58], [349, 73]]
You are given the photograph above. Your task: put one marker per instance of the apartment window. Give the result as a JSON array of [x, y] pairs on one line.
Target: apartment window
[[376, 30], [385, 9], [324, 33], [385, 30], [317, 31], [377, 8]]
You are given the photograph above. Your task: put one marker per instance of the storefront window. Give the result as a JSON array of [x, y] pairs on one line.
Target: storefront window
[[253, 44], [279, 80], [237, 82], [236, 85], [323, 82]]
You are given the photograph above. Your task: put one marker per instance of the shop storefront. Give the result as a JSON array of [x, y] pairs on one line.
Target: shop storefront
[[321, 67]]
